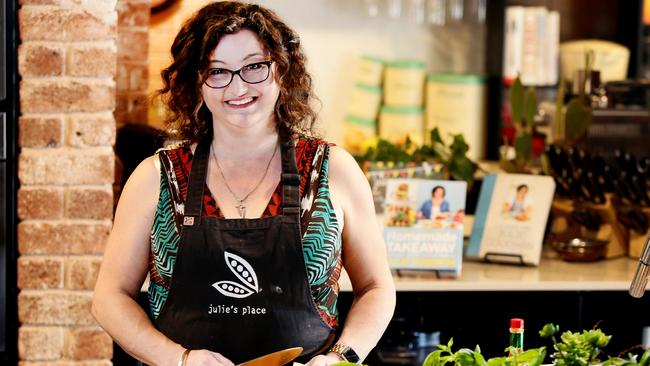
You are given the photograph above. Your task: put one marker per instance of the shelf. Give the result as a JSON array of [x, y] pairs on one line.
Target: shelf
[[551, 275]]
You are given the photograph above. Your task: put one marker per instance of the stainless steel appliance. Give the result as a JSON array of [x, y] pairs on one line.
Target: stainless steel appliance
[[640, 280], [8, 181]]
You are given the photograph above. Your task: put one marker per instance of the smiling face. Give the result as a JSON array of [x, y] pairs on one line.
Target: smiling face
[[241, 104], [521, 193], [438, 193]]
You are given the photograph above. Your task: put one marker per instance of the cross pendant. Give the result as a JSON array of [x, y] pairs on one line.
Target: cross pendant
[[242, 209]]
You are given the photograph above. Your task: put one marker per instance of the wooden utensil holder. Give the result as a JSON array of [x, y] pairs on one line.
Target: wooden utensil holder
[[637, 240], [564, 228]]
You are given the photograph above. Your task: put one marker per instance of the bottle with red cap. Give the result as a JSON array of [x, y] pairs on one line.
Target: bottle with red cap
[[517, 334]]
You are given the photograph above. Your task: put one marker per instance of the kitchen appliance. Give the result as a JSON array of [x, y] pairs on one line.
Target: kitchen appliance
[[8, 181], [626, 129], [610, 58], [640, 280], [628, 94]]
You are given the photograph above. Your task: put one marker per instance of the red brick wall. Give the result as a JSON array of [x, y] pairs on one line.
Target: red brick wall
[[68, 64]]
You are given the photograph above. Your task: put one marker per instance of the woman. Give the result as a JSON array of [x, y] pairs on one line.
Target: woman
[[244, 230], [519, 209], [435, 208]]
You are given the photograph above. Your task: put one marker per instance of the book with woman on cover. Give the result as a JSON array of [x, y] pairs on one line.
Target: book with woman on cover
[[423, 224], [511, 218]]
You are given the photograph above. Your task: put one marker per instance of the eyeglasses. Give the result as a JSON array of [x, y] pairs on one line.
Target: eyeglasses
[[254, 73]]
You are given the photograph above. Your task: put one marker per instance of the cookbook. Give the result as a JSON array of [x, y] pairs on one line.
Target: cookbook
[[511, 217], [423, 224]]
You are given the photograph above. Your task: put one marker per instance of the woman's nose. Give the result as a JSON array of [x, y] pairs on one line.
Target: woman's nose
[[238, 85]]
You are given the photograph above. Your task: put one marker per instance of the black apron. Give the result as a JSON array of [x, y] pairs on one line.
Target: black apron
[[239, 286]]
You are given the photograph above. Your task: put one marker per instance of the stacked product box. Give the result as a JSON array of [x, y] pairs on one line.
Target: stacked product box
[[402, 114], [457, 104], [361, 117]]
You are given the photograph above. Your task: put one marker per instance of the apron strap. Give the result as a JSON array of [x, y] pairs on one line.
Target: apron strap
[[196, 183], [290, 177]]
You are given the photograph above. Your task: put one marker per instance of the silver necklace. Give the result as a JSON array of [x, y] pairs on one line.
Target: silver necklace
[[241, 207]]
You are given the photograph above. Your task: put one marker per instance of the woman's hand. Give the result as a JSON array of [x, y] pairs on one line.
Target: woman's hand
[[324, 360], [203, 357]]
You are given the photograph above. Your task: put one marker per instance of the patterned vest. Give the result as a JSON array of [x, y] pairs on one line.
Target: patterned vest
[[321, 240]]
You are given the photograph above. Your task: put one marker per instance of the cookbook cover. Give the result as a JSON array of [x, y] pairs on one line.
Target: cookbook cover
[[511, 218], [423, 224]]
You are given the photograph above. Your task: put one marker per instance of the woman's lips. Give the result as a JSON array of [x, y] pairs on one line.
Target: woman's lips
[[241, 103]]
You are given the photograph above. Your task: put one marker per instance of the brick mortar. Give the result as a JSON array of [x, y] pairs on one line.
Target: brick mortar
[[60, 256], [41, 186], [100, 80], [43, 115], [64, 256], [131, 62], [89, 186], [67, 221], [37, 292], [102, 43], [106, 114], [44, 256], [142, 29], [71, 6], [67, 115], [34, 151], [40, 151]]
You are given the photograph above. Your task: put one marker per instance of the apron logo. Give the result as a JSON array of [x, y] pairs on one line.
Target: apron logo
[[247, 284]]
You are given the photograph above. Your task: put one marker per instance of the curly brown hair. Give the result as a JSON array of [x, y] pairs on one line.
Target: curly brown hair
[[190, 119]]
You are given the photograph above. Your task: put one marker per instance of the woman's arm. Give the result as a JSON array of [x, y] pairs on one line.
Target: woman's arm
[[364, 256], [124, 269]]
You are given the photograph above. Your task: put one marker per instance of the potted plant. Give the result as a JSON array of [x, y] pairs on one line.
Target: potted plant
[[467, 357], [584, 348], [454, 156], [516, 156]]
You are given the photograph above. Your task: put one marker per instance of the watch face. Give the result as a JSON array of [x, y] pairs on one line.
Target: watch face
[[350, 355]]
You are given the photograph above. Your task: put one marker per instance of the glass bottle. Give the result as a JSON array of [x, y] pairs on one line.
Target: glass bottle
[[517, 335]]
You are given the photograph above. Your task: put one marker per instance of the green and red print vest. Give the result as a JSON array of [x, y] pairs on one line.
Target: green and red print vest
[[321, 231]]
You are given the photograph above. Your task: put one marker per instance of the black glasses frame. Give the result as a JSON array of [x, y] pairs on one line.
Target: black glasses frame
[[238, 72]]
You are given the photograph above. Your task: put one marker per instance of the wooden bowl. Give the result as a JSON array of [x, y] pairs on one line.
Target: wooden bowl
[[581, 250]]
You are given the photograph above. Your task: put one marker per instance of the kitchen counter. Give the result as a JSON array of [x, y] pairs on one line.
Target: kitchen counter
[[552, 275]]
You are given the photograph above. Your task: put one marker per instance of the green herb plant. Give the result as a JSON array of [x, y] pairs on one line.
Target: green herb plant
[[468, 357], [630, 361], [453, 156], [573, 120], [575, 349], [523, 105], [385, 151]]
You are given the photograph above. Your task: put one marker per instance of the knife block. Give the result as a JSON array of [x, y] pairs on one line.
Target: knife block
[[564, 228], [637, 240]]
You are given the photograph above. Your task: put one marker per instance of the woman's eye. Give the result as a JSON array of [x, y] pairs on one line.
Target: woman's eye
[[216, 71], [253, 66]]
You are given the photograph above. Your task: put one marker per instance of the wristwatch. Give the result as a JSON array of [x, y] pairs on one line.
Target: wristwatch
[[345, 352]]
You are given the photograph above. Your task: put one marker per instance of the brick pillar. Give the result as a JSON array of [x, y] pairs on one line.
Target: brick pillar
[[132, 61], [67, 61]]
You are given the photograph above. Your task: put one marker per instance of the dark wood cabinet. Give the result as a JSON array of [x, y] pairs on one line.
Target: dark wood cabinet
[[483, 317]]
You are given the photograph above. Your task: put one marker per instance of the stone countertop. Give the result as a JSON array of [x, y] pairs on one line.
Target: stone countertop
[[552, 275]]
